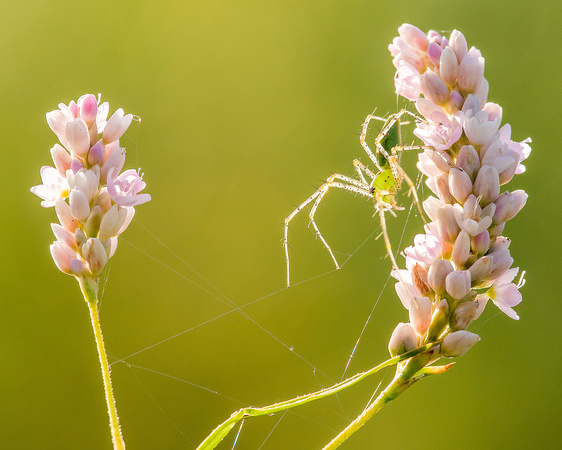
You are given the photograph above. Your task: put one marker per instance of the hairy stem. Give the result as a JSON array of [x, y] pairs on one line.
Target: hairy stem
[[89, 290]]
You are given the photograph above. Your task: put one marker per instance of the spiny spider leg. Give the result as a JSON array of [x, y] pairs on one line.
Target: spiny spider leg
[[382, 186], [338, 181]]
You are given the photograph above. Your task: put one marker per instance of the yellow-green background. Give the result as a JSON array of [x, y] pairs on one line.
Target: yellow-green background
[[245, 106]]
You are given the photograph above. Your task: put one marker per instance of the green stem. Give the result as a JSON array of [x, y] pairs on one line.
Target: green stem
[[403, 379], [220, 432], [89, 290]]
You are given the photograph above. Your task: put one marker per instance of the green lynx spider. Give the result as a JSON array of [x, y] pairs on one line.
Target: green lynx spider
[[380, 186]]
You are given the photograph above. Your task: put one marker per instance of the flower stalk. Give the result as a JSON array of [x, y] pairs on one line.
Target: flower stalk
[[94, 204], [92, 302]]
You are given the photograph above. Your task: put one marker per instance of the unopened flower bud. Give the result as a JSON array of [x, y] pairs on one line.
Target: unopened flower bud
[[442, 188], [413, 36], [78, 137], [449, 66], [62, 255], [447, 224], [460, 184], [439, 320], [420, 314], [458, 283], [88, 108], [75, 165], [92, 226], [482, 92], [103, 200], [481, 268], [456, 100], [487, 185], [457, 41], [434, 89], [112, 222], [469, 161], [95, 155], [419, 279], [461, 249], [78, 268], [95, 255], [471, 73], [63, 235], [463, 315], [61, 158], [403, 339], [480, 243], [438, 271], [458, 343], [79, 206], [434, 51], [116, 126], [497, 230], [508, 205], [80, 237], [502, 261]]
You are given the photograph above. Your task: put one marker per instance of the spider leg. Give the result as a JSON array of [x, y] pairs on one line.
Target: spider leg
[[381, 208], [338, 181]]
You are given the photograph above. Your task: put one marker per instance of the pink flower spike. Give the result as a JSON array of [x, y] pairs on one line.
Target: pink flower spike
[[53, 188], [116, 126], [124, 190]]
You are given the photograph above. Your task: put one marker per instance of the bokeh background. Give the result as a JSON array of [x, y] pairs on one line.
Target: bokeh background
[[245, 107]]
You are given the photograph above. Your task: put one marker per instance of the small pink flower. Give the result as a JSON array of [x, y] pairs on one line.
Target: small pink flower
[[407, 81], [472, 218], [427, 248], [441, 132], [505, 294], [54, 187], [124, 190]]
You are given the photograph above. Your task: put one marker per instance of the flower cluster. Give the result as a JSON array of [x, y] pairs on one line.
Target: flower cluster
[[94, 202], [462, 260]]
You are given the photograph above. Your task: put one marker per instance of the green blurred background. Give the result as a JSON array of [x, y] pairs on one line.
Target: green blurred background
[[245, 107]]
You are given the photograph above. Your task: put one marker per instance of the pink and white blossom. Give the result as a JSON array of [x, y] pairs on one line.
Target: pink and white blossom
[[461, 252], [93, 201]]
